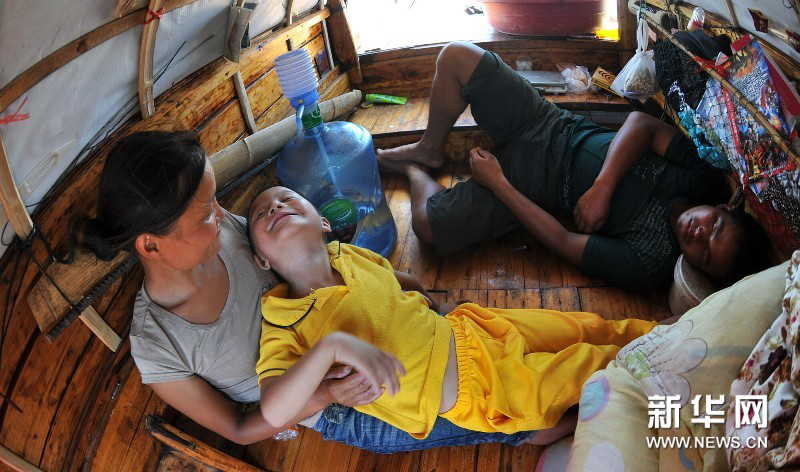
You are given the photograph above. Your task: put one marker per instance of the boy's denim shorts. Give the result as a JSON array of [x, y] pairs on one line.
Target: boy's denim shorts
[[346, 425]]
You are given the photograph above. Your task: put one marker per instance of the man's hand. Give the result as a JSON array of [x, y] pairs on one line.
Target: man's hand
[[485, 169], [592, 209], [349, 388]]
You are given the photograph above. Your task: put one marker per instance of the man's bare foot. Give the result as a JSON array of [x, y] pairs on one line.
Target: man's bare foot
[[414, 152]]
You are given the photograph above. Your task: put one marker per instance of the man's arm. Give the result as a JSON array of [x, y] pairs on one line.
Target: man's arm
[[640, 133], [539, 223]]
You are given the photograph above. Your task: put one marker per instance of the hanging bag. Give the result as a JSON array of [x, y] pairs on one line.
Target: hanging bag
[[637, 80]]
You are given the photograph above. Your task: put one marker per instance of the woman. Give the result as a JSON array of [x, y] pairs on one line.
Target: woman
[[196, 320], [629, 191]]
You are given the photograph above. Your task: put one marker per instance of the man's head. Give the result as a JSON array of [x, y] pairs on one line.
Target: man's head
[[717, 241], [282, 222]]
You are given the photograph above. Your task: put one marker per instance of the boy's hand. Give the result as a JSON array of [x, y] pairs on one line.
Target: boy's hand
[[381, 370], [486, 169], [353, 390]]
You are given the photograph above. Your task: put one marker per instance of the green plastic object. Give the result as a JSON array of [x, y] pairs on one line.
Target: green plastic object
[[381, 98]]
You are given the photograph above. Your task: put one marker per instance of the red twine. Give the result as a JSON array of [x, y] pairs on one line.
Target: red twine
[[16, 116], [154, 15]]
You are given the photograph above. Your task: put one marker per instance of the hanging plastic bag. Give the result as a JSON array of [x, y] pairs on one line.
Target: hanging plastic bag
[[637, 80]]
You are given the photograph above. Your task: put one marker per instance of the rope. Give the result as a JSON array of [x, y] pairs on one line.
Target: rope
[[154, 15]]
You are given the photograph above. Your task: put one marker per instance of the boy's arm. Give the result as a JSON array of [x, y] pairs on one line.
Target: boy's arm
[[285, 398], [640, 133]]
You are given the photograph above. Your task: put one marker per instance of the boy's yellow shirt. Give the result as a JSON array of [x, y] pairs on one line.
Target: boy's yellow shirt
[[373, 307]]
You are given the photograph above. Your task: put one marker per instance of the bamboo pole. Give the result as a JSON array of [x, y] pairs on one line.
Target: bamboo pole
[[780, 140], [244, 102], [260, 146], [147, 47]]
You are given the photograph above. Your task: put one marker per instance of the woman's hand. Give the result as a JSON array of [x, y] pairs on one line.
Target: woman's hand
[[349, 388], [486, 169], [381, 370], [592, 209]]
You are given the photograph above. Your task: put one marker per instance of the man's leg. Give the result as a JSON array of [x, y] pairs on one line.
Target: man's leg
[[454, 67], [422, 187]]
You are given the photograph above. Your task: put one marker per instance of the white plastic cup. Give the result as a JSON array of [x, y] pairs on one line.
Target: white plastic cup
[[296, 73]]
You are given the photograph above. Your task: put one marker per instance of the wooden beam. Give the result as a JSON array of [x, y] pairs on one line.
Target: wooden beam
[[344, 45], [289, 13], [63, 55], [9, 196], [147, 47], [194, 448], [244, 102], [627, 32], [283, 33], [734, 20], [16, 462], [21, 221]]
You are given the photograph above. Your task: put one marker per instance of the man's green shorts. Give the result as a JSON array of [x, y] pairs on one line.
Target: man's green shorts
[[533, 137]]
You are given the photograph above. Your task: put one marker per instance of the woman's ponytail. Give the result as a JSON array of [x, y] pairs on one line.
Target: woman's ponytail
[[147, 183]]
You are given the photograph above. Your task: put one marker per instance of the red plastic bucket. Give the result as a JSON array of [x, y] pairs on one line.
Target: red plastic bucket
[[544, 17]]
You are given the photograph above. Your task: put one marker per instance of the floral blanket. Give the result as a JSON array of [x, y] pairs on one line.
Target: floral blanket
[[772, 371]]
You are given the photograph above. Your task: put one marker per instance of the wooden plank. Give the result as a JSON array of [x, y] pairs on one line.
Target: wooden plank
[[88, 397], [616, 304], [410, 72], [74, 280], [15, 462], [627, 33], [319, 454], [9, 196], [44, 375], [55, 387], [562, 299], [343, 44], [502, 265], [174, 461], [143, 452], [274, 455], [192, 447]]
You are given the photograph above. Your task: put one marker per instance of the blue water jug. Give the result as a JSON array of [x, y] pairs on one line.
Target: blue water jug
[[333, 165]]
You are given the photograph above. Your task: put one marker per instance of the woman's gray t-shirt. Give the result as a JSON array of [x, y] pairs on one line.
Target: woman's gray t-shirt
[[167, 348]]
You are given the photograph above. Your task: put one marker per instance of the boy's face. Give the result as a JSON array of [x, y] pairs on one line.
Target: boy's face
[[280, 220]]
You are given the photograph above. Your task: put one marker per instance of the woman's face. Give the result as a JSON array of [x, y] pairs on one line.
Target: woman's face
[[195, 236], [709, 238]]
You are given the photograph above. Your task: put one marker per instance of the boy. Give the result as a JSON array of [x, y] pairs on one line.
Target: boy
[[483, 369]]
